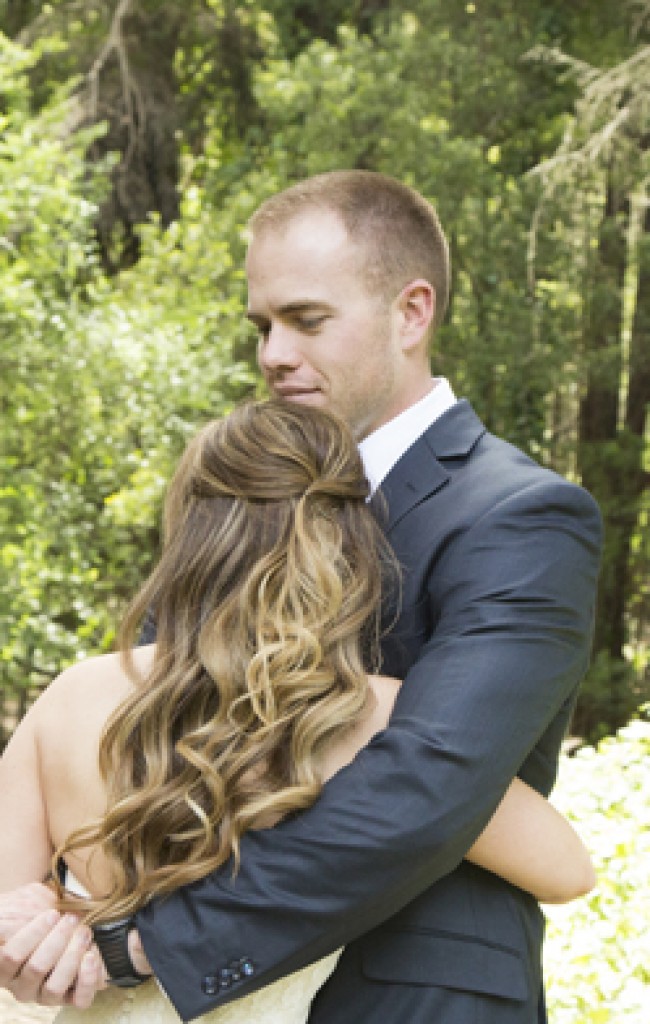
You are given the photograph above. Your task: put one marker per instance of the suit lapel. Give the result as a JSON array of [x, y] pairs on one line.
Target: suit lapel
[[420, 472]]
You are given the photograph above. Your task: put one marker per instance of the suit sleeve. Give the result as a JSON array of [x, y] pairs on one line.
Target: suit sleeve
[[513, 597]]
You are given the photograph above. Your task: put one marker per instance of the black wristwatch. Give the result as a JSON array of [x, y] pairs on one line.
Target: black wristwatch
[[112, 941]]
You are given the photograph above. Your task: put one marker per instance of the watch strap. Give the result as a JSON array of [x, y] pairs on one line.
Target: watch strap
[[112, 941]]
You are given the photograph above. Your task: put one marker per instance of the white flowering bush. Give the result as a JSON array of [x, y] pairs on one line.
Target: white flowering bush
[[597, 960]]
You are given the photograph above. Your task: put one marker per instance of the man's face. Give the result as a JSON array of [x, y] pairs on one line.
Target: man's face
[[323, 339]]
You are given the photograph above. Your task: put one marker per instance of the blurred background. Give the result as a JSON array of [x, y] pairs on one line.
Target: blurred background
[[137, 137]]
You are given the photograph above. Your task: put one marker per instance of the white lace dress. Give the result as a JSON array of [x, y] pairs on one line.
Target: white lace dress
[[285, 1001]]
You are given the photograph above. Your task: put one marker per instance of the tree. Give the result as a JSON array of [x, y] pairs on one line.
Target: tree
[[192, 114], [604, 156], [102, 380]]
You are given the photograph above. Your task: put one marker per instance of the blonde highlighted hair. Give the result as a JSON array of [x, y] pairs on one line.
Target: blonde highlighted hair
[[267, 601]]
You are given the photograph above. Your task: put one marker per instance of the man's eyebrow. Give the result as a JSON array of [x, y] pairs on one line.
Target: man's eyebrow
[[303, 304], [300, 306]]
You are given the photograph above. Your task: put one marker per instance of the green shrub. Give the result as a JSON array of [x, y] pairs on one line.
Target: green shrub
[[598, 950]]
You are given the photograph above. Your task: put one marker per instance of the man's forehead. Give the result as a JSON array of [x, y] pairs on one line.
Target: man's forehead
[[310, 262], [303, 270], [311, 230]]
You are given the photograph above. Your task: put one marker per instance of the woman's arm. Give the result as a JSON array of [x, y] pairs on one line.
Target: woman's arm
[[25, 848], [529, 843], [44, 957]]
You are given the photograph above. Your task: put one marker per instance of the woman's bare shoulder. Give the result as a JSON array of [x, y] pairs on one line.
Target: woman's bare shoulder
[[87, 692], [383, 694], [384, 690]]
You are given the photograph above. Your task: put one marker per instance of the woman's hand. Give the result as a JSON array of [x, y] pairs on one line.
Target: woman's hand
[[46, 957]]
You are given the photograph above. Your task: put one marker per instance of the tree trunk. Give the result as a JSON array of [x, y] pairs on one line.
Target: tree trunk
[[599, 464], [131, 86], [636, 425], [638, 395]]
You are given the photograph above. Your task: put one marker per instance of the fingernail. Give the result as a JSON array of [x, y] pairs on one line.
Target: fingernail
[[91, 964], [52, 918], [82, 936]]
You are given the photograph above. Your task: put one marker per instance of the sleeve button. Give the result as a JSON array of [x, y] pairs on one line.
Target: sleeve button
[[225, 977], [246, 967], [210, 985]]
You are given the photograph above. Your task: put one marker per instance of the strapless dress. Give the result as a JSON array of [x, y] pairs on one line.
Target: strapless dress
[[285, 1001]]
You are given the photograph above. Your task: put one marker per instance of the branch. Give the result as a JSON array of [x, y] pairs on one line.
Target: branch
[[642, 8], [34, 669], [133, 103]]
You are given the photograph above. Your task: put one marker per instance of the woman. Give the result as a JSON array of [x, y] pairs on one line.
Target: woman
[[268, 597]]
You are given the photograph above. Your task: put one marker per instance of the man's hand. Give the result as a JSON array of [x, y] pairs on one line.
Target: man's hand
[[45, 957], [137, 953]]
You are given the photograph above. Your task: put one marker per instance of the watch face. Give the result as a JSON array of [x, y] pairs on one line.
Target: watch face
[[114, 926]]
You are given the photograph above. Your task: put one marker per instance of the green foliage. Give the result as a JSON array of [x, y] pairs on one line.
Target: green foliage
[[47, 202], [103, 378], [102, 382], [597, 967], [391, 103]]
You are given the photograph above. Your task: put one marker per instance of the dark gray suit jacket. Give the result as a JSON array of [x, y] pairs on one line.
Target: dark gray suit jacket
[[500, 561]]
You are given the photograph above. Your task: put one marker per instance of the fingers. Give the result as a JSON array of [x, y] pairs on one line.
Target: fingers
[[90, 980], [40, 962], [23, 942], [66, 963], [45, 957], [21, 905]]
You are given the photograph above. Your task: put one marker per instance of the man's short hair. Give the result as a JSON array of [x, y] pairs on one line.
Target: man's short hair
[[397, 229]]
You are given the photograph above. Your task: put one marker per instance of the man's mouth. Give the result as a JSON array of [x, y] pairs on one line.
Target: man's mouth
[[294, 390]]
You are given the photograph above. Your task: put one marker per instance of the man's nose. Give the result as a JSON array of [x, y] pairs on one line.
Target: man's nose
[[277, 349]]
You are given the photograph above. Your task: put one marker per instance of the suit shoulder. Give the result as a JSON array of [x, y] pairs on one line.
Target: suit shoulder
[[521, 471]]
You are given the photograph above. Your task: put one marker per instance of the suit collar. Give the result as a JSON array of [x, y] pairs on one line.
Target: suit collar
[[420, 471], [456, 432], [384, 447]]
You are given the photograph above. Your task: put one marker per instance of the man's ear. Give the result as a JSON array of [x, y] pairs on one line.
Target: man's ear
[[416, 307]]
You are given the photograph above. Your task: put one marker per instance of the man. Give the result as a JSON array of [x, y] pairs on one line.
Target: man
[[348, 276]]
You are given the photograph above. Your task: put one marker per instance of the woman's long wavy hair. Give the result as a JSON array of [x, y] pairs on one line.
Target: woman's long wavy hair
[[267, 600]]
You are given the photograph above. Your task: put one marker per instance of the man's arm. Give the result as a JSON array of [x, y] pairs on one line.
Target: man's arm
[[510, 646], [310, 884]]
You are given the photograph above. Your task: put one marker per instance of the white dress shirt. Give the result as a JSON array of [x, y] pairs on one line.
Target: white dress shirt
[[381, 449]]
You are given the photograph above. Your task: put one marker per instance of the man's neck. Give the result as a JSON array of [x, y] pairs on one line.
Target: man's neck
[[385, 446]]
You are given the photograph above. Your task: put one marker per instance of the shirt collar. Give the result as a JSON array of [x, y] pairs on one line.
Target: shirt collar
[[386, 445]]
